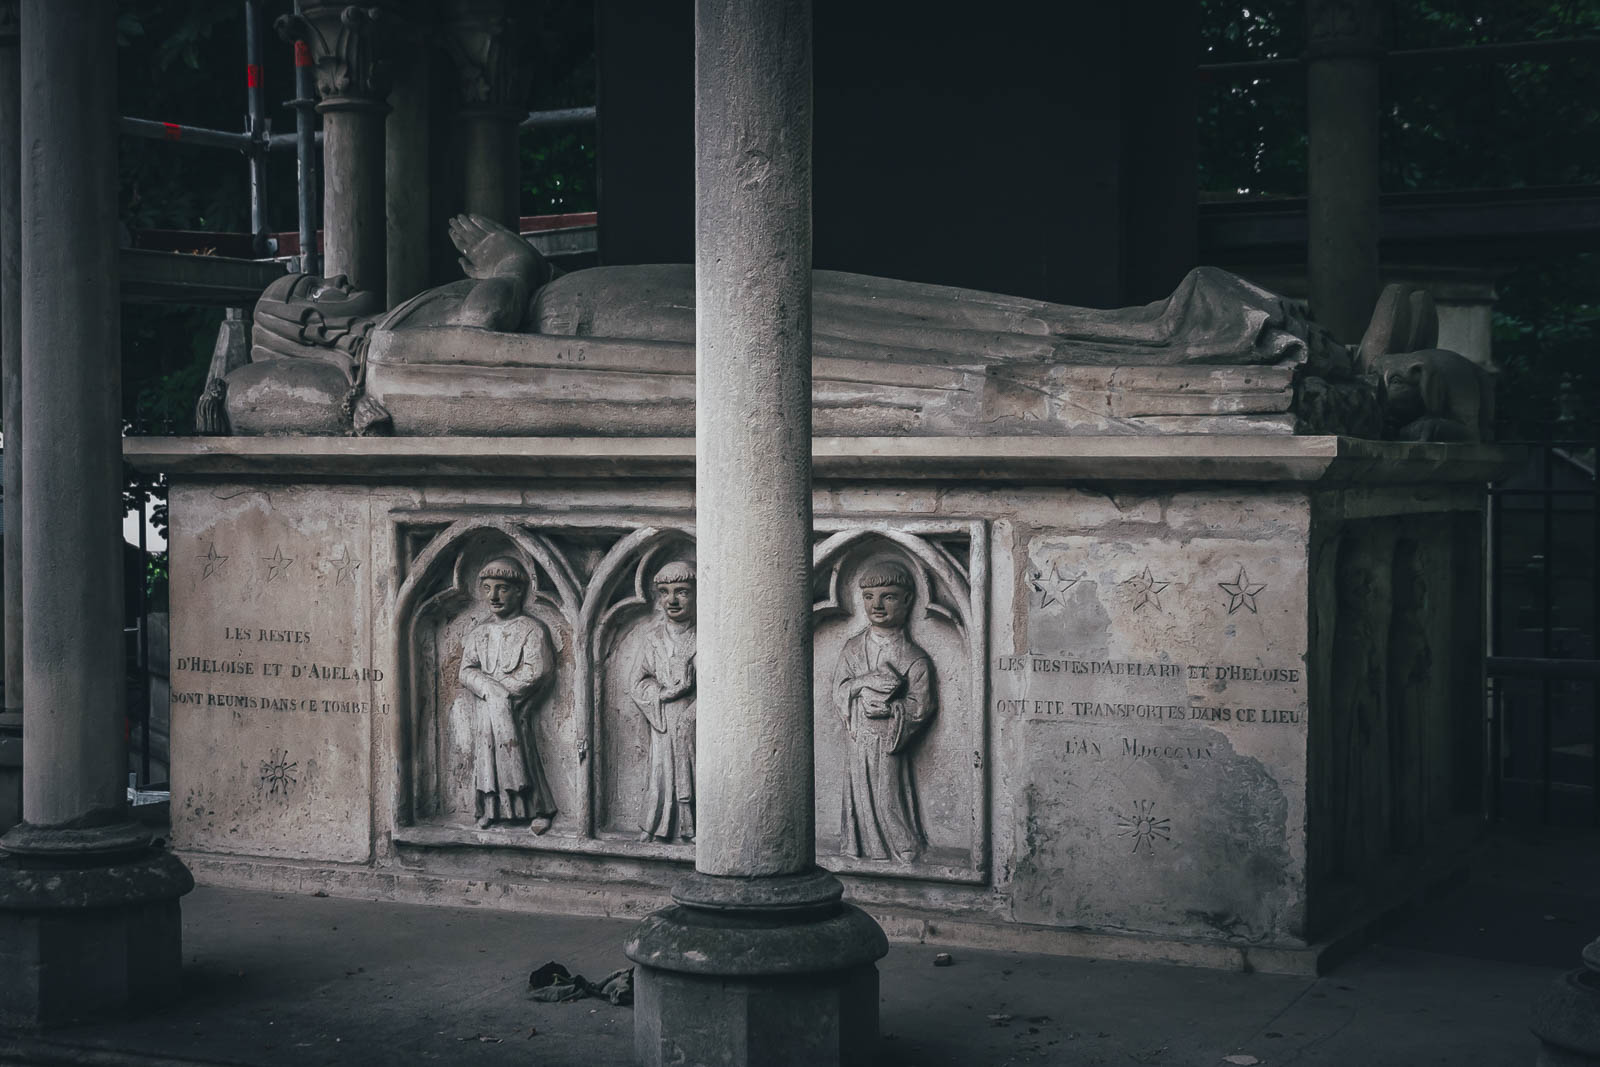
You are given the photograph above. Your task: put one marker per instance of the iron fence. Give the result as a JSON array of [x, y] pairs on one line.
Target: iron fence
[[1543, 669]]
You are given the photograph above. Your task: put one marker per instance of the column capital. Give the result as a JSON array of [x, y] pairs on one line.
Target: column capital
[[488, 42], [352, 51], [1353, 28], [10, 23]]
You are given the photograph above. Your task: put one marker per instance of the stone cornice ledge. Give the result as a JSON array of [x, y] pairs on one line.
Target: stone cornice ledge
[[1172, 458]]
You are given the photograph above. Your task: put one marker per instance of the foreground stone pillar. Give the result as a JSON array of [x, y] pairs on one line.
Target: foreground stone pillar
[[88, 911], [1342, 111], [487, 40], [11, 399], [758, 962], [350, 53]]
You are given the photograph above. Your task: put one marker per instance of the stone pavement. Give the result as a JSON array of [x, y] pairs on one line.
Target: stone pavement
[[273, 979]]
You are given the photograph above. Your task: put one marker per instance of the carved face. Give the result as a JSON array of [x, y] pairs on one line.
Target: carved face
[[334, 297], [503, 596], [1403, 393], [887, 606], [676, 600]]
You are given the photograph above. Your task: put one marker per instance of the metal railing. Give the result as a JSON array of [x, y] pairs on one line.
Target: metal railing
[[1543, 671]]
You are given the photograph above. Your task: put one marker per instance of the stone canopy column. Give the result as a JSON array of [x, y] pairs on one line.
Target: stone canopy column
[[89, 918], [759, 961], [351, 57], [407, 146], [1343, 59], [11, 401], [488, 41]]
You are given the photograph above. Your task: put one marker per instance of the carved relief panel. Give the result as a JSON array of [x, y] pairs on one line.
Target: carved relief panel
[[551, 674], [900, 738], [642, 622], [493, 732]]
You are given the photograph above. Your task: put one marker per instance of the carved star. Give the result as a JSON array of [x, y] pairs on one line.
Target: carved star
[[212, 560], [344, 568], [1052, 588], [1241, 592], [1145, 589], [277, 563]]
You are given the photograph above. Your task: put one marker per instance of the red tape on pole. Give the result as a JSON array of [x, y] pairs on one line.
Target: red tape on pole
[[252, 74], [302, 54]]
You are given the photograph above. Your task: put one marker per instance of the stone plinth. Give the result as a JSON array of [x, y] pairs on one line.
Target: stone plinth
[[772, 971], [1567, 1019], [83, 942], [1187, 698]]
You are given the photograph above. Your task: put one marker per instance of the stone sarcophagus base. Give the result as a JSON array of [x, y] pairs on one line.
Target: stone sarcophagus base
[[1205, 699]]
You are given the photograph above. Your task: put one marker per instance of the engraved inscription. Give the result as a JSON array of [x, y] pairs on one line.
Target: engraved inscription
[[1070, 705]]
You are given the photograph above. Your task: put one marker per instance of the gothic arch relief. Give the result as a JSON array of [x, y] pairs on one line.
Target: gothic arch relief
[[486, 623], [604, 719], [640, 626], [900, 727]]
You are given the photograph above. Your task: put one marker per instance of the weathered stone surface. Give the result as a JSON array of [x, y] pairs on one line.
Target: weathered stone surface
[[1567, 1020], [1016, 556], [795, 1022], [757, 971], [81, 942], [275, 687]]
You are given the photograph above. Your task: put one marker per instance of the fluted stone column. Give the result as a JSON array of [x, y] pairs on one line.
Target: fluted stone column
[[1344, 53], [11, 406], [758, 962], [88, 911], [488, 41], [351, 57]]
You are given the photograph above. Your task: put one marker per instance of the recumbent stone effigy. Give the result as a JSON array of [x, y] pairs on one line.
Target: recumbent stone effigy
[[1117, 648]]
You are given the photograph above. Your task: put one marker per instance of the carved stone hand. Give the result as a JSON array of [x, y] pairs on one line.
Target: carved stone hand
[[489, 250]]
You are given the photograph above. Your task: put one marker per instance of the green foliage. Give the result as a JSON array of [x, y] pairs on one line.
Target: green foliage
[[558, 166], [558, 171], [1452, 126]]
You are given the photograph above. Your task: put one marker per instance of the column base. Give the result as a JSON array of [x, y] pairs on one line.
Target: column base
[[771, 972], [1567, 1020], [84, 935]]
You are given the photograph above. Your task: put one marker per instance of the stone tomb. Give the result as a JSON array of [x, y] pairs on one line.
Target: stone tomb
[[1204, 699]]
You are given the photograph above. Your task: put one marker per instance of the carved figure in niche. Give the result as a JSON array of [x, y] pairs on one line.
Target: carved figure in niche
[[504, 658], [661, 681], [883, 688]]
